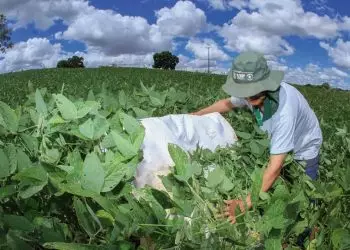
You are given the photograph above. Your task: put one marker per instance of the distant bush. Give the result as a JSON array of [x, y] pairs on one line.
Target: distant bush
[[73, 62]]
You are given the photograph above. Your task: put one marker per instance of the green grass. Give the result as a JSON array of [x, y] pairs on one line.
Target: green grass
[[331, 105]]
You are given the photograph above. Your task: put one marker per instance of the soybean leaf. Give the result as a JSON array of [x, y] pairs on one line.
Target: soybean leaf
[[180, 159], [11, 153], [32, 180], [7, 191], [16, 222], [66, 107], [31, 143], [40, 103], [130, 124], [4, 164], [75, 246], [8, 118], [87, 129], [23, 160], [215, 177], [256, 148], [140, 113], [84, 218], [101, 126], [15, 242], [256, 177], [243, 135], [86, 108], [123, 145], [122, 99], [93, 174]]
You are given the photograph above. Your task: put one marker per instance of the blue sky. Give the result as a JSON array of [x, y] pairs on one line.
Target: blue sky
[[309, 40]]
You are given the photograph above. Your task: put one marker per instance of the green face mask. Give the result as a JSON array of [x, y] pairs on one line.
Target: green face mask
[[270, 107]]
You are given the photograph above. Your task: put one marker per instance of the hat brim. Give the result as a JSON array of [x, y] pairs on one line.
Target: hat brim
[[243, 90]]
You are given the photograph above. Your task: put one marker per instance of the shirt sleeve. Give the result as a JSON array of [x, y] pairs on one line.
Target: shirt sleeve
[[238, 102], [282, 136]]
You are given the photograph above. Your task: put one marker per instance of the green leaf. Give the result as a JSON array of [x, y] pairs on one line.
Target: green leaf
[[15, 242], [31, 143], [122, 98], [4, 165], [226, 185], [16, 222], [51, 156], [243, 135], [84, 218], [86, 108], [273, 244], [66, 107], [91, 96], [340, 238], [75, 246], [40, 103], [157, 99], [115, 174], [101, 126], [130, 124], [256, 148], [140, 113], [180, 158], [124, 146], [256, 177], [264, 142], [32, 179], [87, 129], [93, 174], [8, 118], [7, 191], [215, 177], [23, 160]]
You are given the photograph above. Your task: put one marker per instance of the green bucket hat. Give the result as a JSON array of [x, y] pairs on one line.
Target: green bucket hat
[[250, 75]]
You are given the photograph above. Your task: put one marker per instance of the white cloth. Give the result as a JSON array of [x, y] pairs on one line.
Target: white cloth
[[294, 126], [188, 132]]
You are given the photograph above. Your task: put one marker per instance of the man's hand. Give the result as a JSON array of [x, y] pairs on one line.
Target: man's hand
[[231, 206]]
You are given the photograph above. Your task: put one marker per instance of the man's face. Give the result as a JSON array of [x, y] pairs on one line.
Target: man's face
[[257, 100]]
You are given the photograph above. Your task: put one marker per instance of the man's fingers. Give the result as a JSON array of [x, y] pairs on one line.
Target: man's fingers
[[228, 202]]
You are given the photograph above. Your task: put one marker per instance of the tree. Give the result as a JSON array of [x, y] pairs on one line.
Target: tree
[[73, 62], [5, 35], [165, 60]]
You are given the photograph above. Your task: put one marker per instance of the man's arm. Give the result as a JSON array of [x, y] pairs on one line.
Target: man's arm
[[272, 171], [221, 106]]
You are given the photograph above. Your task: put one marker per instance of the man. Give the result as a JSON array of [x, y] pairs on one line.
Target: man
[[280, 110]]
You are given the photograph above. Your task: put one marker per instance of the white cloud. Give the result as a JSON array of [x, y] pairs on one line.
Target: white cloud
[[314, 74], [339, 72], [263, 27], [200, 50], [183, 19], [239, 39], [228, 4], [198, 65], [34, 53], [96, 58], [43, 12], [340, 53], [217, 4], [115, 34]]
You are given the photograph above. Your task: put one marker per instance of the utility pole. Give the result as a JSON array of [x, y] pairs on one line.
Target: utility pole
[[208, 47]]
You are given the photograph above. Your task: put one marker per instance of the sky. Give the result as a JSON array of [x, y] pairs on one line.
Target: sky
[[308, 40]]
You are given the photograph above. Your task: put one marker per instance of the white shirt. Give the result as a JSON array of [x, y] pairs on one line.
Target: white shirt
[[294, 127]]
